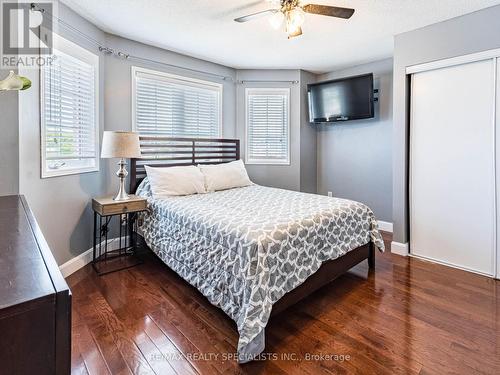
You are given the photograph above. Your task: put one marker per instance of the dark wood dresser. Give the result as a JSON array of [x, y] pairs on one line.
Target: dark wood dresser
[[35, 301]]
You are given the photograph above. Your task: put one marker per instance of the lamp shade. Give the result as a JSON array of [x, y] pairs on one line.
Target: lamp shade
[[120, 145]]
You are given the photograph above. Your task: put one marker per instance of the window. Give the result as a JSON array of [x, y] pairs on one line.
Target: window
[[69, 111], [173, 106], [267, 126]]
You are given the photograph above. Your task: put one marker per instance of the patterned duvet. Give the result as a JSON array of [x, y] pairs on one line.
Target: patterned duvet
[[245, 248]]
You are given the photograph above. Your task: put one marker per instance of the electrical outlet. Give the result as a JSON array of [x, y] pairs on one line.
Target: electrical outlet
[[330, 194]]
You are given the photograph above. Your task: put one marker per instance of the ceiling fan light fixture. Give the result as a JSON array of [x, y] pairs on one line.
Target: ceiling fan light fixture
[[296, 17], [276, 20], [294, 20], [295, 33], [293, 14]]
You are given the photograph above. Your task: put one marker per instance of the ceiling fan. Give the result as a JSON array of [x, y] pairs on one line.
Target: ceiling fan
[[293, 14]]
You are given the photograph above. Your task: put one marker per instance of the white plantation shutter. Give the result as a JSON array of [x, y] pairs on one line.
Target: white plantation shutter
[[69, 112], [171, 106], [267, 126]]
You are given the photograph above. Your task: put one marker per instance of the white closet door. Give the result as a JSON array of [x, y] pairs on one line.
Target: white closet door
[[452, 166]]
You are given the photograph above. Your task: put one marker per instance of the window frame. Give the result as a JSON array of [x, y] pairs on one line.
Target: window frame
[[73, 50], [176, 79], [262, 90]]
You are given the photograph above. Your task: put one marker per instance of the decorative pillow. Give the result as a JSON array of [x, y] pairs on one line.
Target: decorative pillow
[[168, 181], [225, 176]]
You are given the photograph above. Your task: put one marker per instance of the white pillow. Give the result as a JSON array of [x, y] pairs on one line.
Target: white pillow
[[225, 176], [168, 181]]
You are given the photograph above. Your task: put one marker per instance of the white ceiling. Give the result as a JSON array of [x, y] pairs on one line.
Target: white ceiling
[[205, 29]]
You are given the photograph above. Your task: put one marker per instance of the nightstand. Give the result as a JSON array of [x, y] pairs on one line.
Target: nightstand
[[120, 252]]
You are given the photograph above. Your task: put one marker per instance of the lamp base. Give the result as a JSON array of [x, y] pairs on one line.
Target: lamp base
[[122, 174], [121, 197]]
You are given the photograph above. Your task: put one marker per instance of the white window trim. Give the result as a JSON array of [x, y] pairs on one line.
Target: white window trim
[[62, 45], [168, 77], [249, 161]]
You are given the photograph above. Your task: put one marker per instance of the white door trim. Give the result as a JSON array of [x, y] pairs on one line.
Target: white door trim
[[496, 140], [458, 60]]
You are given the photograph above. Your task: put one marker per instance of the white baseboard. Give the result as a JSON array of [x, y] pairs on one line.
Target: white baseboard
[[76, 263], [399, 248], [385, 226], [73, 265]]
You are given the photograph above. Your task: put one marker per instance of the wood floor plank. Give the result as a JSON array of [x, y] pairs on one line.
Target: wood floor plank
[[90, 352], [299, 345], [77, 363], [407, 317], [153, 356], [78, 366], [168, 350], [112, 327], [183, 344], [115, 343], [204, 338], [342, 338], [185, 295]]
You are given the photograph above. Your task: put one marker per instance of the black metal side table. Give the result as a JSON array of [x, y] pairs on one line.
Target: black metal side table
[[121, 251]]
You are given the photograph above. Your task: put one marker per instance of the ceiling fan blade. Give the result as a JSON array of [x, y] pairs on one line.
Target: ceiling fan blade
[[255, 15], [326, 10]]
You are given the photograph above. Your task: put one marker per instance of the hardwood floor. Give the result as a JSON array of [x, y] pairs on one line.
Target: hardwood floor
[[407, 317]]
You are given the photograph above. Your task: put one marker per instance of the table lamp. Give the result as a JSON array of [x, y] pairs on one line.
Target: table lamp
[[123, 145]]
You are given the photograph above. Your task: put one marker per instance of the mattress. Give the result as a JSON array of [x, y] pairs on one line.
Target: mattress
[[245, 248]]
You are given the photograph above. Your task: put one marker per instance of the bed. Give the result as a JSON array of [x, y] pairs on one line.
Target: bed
[[252, 251]]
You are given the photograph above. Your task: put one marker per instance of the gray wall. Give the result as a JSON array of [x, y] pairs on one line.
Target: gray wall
[[471, 33], [281, 176], [355, 158], [308, 139], [118, 86], [61, 204], [9, 140]]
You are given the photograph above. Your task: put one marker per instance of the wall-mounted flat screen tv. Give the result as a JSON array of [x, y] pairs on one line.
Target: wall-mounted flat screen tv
[[341, 99]]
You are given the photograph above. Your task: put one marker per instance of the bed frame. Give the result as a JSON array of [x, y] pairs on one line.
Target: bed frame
[[170, 152]]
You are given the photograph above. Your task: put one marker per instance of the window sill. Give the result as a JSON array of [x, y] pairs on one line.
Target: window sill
[[264, 162], [68, 172]]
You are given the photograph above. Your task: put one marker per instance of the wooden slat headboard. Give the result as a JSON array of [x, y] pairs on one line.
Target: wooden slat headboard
[[172, 152]]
